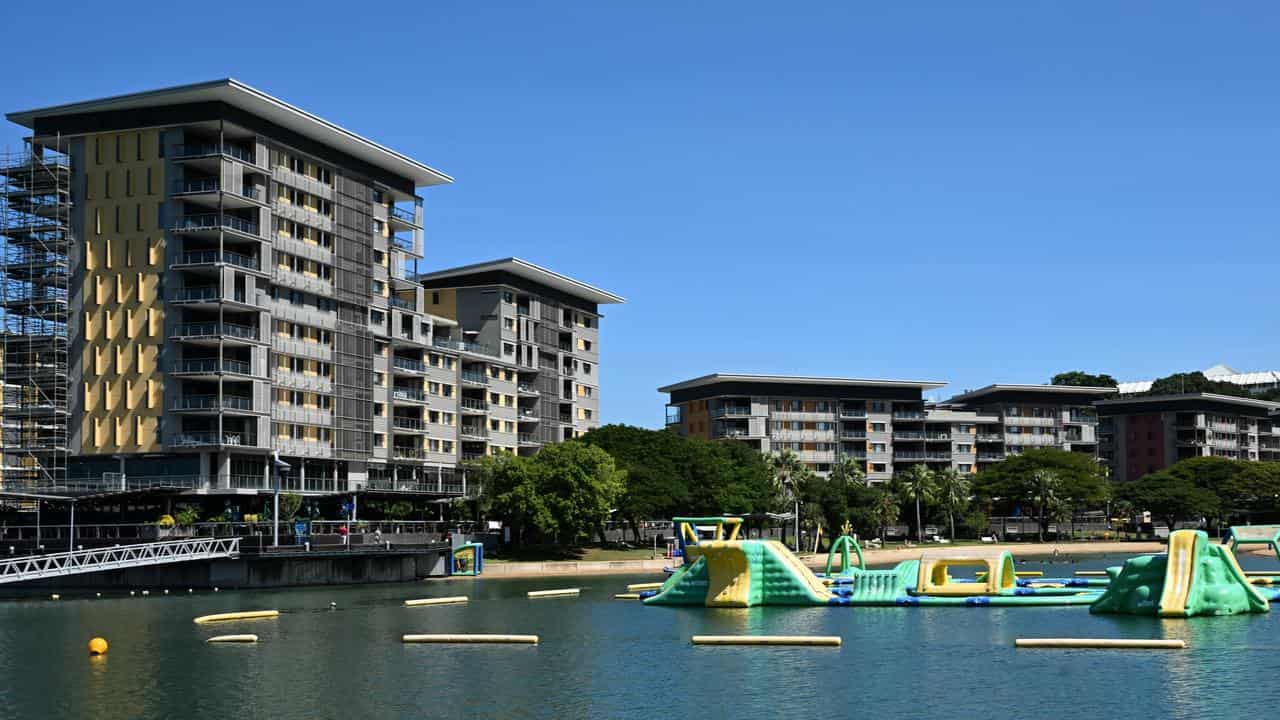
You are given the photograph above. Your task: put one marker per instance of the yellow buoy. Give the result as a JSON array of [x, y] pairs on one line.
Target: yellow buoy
[[553, 593], [1100, 643], [644, 586], [97, 646], [246, 615], [247, 638], [480, 639], [821, 640], [626, 596], [437, 601]]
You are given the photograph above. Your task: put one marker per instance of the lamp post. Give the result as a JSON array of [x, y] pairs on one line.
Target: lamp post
[[278, 467]]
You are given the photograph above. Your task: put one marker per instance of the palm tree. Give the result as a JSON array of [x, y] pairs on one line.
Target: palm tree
[[916, 484], [849, 470], [788, 471], [953, 492], [885, 510], [1044, 495]]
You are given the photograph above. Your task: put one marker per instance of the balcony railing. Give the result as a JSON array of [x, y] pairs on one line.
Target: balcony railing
[[473, 404], [474, 378], [853, 434], [731, 410], [196, 294], [990, 456], [404, 214], [897, 455], [190, 439], [407, 423], [908, 415], [213, 365], [908, 435], [214, 221], [408, 453], [937, 436], [528, 439], [208, 185], [990, 437], [213, 402], [213, 329], [212, 257], [409, 394], [527, 389], [402, 243], [471, 431], [463, 346], [201, 149], [853, 412], [401, 303], [409, 364]]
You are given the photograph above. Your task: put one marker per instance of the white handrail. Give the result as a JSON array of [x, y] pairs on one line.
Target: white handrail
[[35, 567]]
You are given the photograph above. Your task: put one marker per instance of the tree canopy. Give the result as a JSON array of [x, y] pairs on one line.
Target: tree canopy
[[1079, 378], [1006, 485], [1172, 497]]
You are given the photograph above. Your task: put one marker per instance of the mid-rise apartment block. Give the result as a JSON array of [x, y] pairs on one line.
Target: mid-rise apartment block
[[544, 327], [199, 277], [1142, 435], [885, 424]]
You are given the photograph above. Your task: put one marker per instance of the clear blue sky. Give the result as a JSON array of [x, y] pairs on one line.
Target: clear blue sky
[[970, 192]]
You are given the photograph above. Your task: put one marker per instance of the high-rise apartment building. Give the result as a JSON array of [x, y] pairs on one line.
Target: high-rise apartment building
[[1142, 435], [198, 277], [885, 424]]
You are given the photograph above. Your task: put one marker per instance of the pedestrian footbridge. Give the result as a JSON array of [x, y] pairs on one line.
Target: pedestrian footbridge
[[120, 557]]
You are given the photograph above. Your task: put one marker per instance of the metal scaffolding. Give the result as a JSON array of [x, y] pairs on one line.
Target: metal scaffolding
[[35, 235]]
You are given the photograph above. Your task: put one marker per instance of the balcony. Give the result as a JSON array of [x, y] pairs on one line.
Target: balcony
[[399, 302], [853, 434], [471, 377], [526, 389], [937, 437], [991, 457], [473, 405], [213, 402], [1079, 419], [855, 413], [405, 452], [472, 456], [211, 366], [402, 243], [211, 185], [213, 257], [990, 437], [212, 438], [408, 423], [937, 456], [908, 455], [215, 221], [197, 150], [528, 439], [908, 415], [409, 395], [185, 331], [908, 435], [738, 410], [1024, 421], [408, 364], [472, 432], [404, 215], [1028, 440], [463, 346]]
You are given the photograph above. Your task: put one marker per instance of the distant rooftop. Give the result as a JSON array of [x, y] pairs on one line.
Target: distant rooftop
[[523, 269], [1217, 373], [991, 390], [715, 378], [1187, 399], [242, 96]]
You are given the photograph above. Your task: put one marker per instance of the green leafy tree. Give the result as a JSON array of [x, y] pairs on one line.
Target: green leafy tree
[[514, 494], [954, 491], [1043, 496], [1195, 382], [1078, 378], [580, 486], [656, 465], [790, 476], [1171, 497], [917, 485], [1079, 482]]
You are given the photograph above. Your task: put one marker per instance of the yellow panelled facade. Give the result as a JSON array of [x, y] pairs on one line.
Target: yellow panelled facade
[[442, 303], [123, 391]]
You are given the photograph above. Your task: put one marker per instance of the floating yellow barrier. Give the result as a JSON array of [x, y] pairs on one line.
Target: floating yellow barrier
[[1019, 573], [478, 639], [566, 592], [812, 640], [437, 601], [1100, 643], [1046, 585], [627, 596], [1262, 573], [246, 615], [644, 586], [1091, 573], [233, 639]]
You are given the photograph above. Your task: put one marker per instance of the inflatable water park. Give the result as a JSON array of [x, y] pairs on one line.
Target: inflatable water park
[[1195, 577]]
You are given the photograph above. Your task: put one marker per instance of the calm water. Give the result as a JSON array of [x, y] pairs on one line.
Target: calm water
[[602, 657]]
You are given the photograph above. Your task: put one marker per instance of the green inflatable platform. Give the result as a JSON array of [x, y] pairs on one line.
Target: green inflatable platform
[[1196, 577]]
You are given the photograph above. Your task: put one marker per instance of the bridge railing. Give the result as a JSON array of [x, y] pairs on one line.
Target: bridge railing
[[33, 567]]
